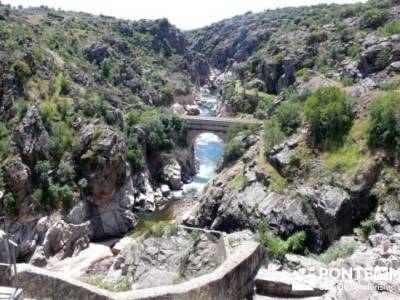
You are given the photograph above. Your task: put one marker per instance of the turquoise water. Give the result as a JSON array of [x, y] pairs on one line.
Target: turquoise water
[[208, 151]]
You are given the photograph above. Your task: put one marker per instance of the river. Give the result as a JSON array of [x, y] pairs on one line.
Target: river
[[208, 149]]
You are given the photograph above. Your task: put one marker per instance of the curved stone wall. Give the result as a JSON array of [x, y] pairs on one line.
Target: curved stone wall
[[233, 279]]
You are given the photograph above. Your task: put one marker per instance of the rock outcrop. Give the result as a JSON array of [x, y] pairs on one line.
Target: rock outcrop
[[101, 155], [32, 137]]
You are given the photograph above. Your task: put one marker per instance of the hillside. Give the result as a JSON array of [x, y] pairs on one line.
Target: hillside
[[93, 148]]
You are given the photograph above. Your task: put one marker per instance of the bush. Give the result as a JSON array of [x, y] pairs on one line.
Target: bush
[[82, 183], [337, 250], [373, 19], [22, 72], [288, 117], [383, 59], [391, 28], [42, 169], [272, 136], [106, 67], [64, 85], [275, 246], [303, 73], [10, 206], [233, 150], [329, 113], [167, 94], [295, 243], [384, 122], [316, 37], [65, 172], [135, 158], [66, 196]]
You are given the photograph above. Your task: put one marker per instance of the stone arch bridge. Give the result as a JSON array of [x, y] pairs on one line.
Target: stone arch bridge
[[218, 126]]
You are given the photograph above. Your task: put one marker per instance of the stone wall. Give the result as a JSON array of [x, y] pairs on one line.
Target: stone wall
[[233, 279]]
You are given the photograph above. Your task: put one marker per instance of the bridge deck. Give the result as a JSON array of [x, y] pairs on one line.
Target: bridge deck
[[219, 121]]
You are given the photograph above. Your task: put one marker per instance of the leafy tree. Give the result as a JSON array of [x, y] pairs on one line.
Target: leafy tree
[[329, 113], [288, 117], [384, 122]]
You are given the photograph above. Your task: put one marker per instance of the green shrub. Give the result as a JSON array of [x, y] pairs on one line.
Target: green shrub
[[296, 242], [288, 117], [53, 196], [82, 183], [316, 37], [135, 158], [10, 206], [167, 94], [42, 169], [106, 67], [384, 122], [390, 28], [373, 19], [64, 85], [329, 113], [275, 246], [65, 172], [39, 195], [22, 72], [66, 196], [354, 51], [233, 150], [272, 136], [337, 250], [383, 59], [303, 73]]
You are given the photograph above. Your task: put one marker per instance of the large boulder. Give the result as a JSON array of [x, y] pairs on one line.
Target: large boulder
[[64, 240], [163, 258], [333, 209], [277, 75], [101, 156], [110, 196], [32, 137], [172, 174], [17, 175], [96, 52], [379, 53]]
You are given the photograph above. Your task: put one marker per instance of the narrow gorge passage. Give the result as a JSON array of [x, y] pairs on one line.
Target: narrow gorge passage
[[208, 150]]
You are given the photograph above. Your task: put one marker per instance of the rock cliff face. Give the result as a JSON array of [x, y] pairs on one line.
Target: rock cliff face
[[241, 197]]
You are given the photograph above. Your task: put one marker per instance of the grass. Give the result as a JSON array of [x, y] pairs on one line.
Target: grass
[[122, 284], [349, 155], [335, 251], [278, 182], [238, 183]]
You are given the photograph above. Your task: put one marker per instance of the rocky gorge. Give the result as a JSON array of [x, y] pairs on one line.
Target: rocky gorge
[[98, 182]]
